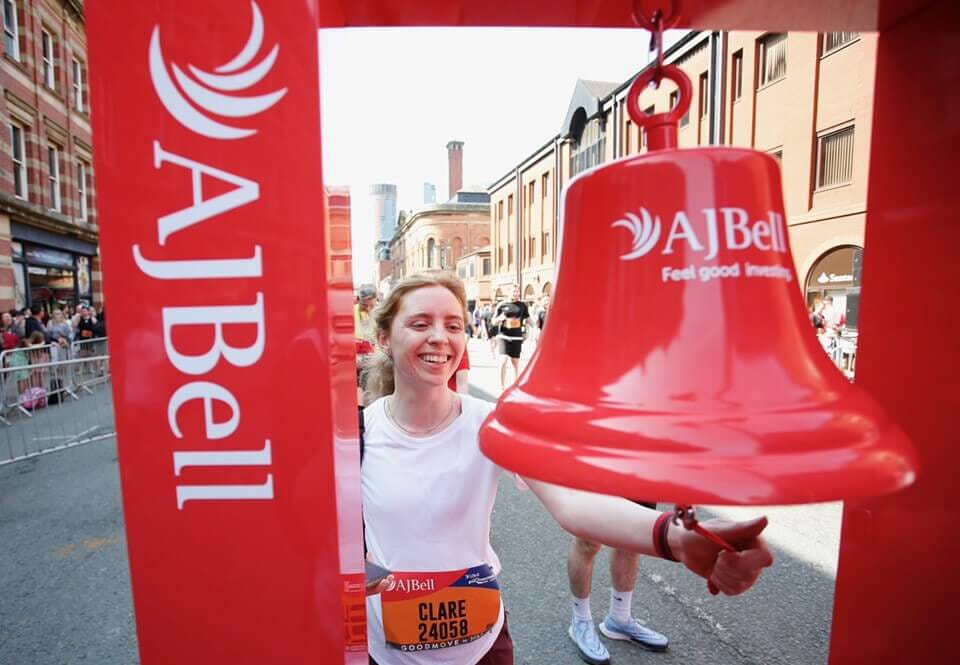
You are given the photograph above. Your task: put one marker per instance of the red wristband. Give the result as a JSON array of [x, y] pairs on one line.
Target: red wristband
[[660, 545]]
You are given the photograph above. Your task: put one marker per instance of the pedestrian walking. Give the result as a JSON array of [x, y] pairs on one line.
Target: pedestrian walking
[[428, 495]]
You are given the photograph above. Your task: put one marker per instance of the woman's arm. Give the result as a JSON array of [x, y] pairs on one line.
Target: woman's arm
[[626, 525]]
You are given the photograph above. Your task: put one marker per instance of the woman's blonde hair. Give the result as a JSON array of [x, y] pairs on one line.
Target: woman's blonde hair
[[378, 376]]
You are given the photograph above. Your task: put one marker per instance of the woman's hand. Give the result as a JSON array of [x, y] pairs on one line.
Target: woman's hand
[[379, 586], [729, 572]]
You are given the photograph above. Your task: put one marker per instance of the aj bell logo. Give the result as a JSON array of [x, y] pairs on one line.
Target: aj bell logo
[[738, 232], [411, 585], [208, 95]]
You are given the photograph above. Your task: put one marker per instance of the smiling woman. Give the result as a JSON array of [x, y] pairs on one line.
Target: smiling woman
[[428, 495]]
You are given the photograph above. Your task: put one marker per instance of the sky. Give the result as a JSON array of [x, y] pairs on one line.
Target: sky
[[392, 99]]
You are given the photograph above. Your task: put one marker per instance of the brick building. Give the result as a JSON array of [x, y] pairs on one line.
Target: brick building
[[435, 237], [48, 221], [805, 98]]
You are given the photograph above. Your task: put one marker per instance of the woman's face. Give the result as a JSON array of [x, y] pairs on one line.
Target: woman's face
[[426, 338], [58, 316]]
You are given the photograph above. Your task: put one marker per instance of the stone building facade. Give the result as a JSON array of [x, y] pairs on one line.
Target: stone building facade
[[434, 237]]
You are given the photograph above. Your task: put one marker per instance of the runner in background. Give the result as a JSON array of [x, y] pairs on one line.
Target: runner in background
[[512, 317]]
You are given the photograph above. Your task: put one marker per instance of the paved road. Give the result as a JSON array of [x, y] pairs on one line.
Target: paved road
[[66, 594]]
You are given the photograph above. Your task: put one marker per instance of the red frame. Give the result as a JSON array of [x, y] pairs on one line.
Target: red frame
[[897, 558]]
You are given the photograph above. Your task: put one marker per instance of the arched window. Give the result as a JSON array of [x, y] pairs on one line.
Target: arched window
[[837, 274], [457, 249], [431, 253]]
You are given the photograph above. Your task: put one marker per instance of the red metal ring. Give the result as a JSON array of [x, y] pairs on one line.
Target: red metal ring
[[642, 19], [644, 79]]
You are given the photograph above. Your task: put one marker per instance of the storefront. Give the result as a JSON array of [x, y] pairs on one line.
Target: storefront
[[50, 270], [837, 274]]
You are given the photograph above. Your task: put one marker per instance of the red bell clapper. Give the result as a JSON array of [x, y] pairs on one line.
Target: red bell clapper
[[679, 364]]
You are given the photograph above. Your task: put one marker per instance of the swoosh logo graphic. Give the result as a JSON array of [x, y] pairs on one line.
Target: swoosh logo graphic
[[645, 230], [189, 101]]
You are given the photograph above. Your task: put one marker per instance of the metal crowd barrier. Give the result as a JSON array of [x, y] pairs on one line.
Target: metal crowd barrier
[[53, 397]]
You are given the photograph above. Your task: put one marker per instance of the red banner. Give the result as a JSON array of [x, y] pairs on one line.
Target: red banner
[[231, 394]]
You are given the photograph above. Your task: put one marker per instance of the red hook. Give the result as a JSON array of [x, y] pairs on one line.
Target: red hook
[[661, 128]]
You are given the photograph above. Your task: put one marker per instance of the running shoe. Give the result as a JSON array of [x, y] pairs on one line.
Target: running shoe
[[591, 649], [635, 632]]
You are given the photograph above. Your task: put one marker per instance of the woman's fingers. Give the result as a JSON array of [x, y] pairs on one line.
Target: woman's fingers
[[735, 572], [379, 587]]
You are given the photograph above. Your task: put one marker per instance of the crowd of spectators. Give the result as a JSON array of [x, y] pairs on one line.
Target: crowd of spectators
[[65, 325]]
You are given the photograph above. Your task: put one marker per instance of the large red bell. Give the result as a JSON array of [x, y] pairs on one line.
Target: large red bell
[[678, 363]]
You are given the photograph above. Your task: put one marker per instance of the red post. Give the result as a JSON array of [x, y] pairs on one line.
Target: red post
[[232, 391]]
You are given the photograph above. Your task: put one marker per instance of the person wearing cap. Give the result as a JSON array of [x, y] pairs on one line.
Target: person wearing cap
[[363, 322]]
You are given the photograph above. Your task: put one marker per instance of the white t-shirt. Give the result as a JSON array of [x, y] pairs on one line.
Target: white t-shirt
[[427, 503]]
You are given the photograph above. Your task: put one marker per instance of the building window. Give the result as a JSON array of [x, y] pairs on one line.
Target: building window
[[78, 85], [82, 211], [49, 63], [531, 241], [499, 210], [704, 95], [674, 100], [11, 30], [462, 271], [486, 266], [835, 158], [544, 227], [18, 147], [431, 253], [53, 169], [737, 68], [650, 110], [473, 268], [834, 40], [773, 58], [588, 150]]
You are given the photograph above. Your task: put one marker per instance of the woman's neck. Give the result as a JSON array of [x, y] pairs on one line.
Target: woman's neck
[[421, 409]]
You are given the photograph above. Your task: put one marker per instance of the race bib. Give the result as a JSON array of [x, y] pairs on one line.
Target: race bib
[[425, 611], [512, 323]]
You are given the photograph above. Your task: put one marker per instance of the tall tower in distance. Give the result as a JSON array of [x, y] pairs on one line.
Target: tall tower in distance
[[454, 167], [429, 193], [384, 210]]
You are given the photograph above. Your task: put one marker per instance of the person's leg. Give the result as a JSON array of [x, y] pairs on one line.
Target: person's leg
[[580, 562], [580, 569], [516, 368], [623, 575], [619, 623], [504, 361]]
